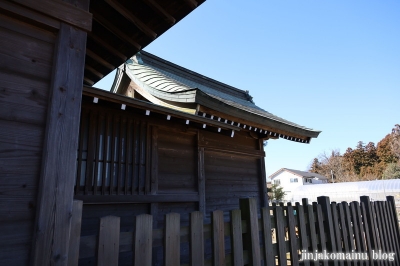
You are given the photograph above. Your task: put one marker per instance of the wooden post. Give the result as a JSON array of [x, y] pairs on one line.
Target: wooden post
[[338, 238], [366, 230], [196, 239], [312, 228], [201, 180], [321, 230], [172, 246], [369, 217], [302, 231], [294, 258], [269, 257], [251, 241], [280, 235], [218, 238], [108, 248], [143, 240], [56, 185], [263, 178], [328, 225], [356, 227], [236, 235], [75, 234], [394, 220]]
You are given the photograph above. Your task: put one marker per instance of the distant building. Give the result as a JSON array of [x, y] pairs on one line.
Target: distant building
[[291, 179]]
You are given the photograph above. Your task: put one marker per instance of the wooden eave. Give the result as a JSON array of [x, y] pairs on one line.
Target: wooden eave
[[147, 106], [117, 29], [121, 28], [210, 105]]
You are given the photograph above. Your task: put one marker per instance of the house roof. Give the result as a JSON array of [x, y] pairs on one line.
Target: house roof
[[299, 173], [121, 28], [174, 84]]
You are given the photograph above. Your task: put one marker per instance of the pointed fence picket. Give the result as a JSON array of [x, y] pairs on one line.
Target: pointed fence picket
[[275, 235]]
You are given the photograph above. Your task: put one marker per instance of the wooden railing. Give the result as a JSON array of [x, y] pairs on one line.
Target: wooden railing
[[277, 235]]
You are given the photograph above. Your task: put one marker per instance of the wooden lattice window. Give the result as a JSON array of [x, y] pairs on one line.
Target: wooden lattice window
[[112, 154]]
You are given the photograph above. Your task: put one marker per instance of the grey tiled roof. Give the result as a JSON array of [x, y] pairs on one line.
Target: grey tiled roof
[[171, 82]]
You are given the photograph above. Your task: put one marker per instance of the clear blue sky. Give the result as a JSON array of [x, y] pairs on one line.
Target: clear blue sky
[[328, 65]]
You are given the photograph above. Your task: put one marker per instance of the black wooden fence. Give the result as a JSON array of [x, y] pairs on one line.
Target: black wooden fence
[[357, 233]]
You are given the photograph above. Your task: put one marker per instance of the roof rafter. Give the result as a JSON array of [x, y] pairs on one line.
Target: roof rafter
[[156, 7], [113, 29], [94, 71], [192, 3], [132, 18], [99, 59], [107, 46]]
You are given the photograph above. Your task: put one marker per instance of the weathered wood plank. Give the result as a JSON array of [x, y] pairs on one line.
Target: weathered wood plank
[[143, 240], [393, 221], [108, 249], [75, 234], [302, 230], [328, 226], [90, 178], [356, 230], [312, 229], [269, 258], [381, 238], [366, 230], [61, 10], [50, 243], [196, 239], [370, 219], [201, 180], [172, 239], [251, 241], [344, 230], [31, 15], [187, 197], [218, 238], [236, 235], [280, 235], [337, 235], [154, 160], [291, 220]]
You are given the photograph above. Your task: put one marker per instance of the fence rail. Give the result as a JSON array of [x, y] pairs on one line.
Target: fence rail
[[276, 235]]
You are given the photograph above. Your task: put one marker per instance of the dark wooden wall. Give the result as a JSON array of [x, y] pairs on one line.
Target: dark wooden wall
[[26, 59], [41, 64], [130, 163]]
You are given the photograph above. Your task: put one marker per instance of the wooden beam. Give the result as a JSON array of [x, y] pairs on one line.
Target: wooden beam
[[246, 123], [99, 59], [50, 242], [88, 81], [93, 71], [201, 181], [29, 14], [112, 97], [61, 10], [109, 199], [110, 48], [114, 30], [192, 3], [132, 18], [156, 7]]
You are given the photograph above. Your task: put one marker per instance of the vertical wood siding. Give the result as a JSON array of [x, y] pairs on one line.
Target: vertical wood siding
[[26, 56]]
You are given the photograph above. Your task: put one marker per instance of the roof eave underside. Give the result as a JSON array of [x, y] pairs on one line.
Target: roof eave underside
[[121, 28], [215, 104]]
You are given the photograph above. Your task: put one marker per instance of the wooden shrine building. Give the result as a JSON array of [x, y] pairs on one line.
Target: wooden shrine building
[[167, 140], [48, 50]]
